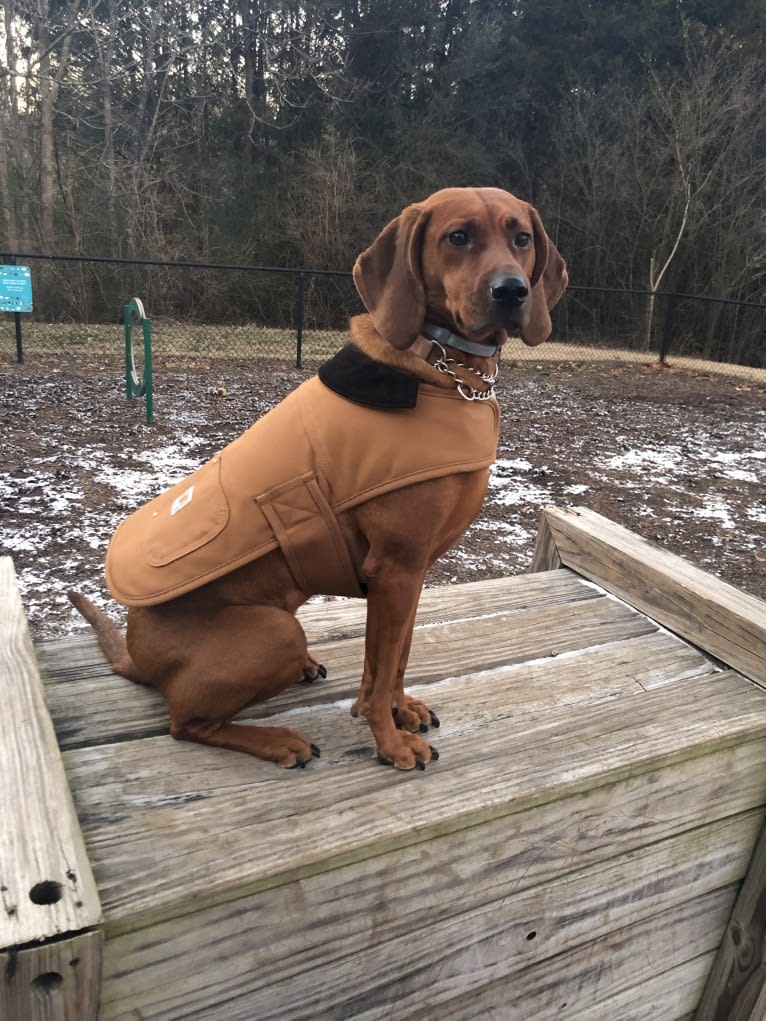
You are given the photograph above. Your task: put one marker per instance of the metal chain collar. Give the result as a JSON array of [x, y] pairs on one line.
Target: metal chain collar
[[443, 363]]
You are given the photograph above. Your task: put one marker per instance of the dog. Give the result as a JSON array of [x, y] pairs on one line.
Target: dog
[[394, 440]]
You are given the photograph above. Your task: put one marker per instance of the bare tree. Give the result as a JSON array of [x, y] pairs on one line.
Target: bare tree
[[52, 41], [706, 111]]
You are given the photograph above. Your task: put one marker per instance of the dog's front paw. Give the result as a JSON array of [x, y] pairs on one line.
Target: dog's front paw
[[406, 751], [413, 715]]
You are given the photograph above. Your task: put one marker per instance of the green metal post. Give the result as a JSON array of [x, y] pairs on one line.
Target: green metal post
[[148, 371], [135, 387]]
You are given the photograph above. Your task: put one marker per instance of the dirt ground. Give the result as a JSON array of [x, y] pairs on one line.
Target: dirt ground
[[679, 457]]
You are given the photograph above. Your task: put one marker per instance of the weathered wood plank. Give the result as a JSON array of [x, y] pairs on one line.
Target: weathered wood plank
[[414, 974], [391, 895], [736, 990], [546, 555], [89, 709], [428, 966], [502, 768], [59, 981], [346, 618], [606, 671], [724, 621], [664, 997], [46, 884], [652, 970]]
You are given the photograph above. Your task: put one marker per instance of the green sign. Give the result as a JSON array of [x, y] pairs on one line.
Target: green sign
[[15, 289]]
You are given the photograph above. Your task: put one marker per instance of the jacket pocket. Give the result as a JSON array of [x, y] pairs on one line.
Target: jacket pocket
[[186, 517]]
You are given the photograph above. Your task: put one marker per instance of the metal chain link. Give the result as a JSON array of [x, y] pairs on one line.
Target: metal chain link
[[442, 364]]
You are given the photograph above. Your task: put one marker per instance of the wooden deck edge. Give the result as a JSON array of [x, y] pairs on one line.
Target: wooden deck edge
[[722, 620], [49, 903], [736, 989], [726, 623], [53, 981], [144, 913]]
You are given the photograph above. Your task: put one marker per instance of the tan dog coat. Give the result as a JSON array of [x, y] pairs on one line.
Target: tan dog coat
[[282, 483]]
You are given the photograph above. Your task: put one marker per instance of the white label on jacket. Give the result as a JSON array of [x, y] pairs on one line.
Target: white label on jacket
[[181, 501]]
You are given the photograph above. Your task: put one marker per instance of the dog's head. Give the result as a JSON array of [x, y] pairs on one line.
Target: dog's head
[[477, 260]]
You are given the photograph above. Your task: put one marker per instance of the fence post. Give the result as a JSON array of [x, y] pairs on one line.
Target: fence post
[[671, 303], [17, 324], [19, 342], [299, 322]]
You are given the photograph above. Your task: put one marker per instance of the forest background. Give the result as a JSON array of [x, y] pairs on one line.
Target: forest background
[[274, 132]]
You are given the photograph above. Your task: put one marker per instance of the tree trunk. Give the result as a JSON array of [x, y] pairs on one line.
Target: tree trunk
[[649, 307], [8, 135], [107, 56], [47, 163], [9, 220], [49, 84]]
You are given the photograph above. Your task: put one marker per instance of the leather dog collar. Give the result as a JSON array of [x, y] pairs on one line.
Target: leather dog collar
[[424, 347], [447, 338]]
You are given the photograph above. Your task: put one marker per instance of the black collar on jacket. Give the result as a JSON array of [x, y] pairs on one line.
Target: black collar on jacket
[[354, 375]]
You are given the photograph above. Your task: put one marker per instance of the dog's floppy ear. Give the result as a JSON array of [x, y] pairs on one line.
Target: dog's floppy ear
[[549, 280], [388, 278]]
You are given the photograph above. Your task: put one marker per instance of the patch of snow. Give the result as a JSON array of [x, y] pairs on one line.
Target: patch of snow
[[660, 460], [717, 509]]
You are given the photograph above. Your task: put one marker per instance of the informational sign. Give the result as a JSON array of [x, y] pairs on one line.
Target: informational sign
[[15, 289]]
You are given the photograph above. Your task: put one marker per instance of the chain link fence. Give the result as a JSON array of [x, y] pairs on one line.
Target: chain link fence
[[203, 311]]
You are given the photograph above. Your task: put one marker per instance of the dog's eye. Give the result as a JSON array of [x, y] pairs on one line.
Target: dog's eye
[[458, 238], [522, 240]]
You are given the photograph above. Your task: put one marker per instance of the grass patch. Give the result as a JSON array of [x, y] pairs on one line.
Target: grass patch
[[174, 340]]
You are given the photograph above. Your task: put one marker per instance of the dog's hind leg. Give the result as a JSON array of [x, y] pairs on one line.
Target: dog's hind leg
[[312, 670], [288, 748], [237, 656]]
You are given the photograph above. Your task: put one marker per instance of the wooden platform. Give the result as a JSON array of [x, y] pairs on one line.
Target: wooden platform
[[577, 852]]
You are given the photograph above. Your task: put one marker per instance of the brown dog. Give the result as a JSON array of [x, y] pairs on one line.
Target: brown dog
[[212, 598]]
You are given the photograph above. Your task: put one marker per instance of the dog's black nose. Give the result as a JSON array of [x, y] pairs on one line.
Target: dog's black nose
[[508, 290]]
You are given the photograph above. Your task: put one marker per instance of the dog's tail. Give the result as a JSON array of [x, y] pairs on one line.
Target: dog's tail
[[109, 637]]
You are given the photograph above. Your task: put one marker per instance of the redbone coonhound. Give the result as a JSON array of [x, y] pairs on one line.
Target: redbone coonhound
[[444, 284]]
